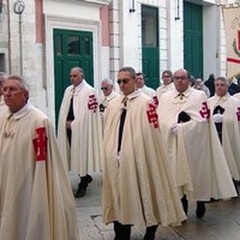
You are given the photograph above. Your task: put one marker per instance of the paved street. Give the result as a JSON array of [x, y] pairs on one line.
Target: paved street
[[221, 222]]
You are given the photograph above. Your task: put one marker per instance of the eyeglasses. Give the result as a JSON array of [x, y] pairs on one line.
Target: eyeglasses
[[104, 88], [181, 78], [74, 75], [166, 76], [124, 81]]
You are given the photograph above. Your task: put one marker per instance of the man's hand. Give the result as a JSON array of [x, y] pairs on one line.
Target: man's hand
[[217, 118]]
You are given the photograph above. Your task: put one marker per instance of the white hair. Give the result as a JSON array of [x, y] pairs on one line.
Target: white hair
[[108, 80]]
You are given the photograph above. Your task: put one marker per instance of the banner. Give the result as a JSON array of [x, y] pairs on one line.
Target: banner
[[231, 18]]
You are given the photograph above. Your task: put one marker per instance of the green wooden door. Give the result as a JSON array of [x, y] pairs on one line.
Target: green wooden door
[[71, 49], [150, 46], [151, 66], [193, 39]]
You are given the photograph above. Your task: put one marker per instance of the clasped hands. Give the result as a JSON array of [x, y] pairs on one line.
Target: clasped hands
[[217, 118]]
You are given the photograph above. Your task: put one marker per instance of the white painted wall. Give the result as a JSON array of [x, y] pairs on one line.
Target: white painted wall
[[125, 40], [211, 42], [175, 36], [128, 31]]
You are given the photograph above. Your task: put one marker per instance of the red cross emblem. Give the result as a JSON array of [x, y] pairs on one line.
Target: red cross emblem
[[92, 103], [40, 144], [152, 115], [205, 111], [238, 114]]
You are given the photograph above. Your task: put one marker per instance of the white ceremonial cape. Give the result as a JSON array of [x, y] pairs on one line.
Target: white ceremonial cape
[[137, 184], [105, 100], [148, 91], [36, 201], [230, 130], [164, 88], [84, 156], [237, 95], [195, 153], [2, 104]]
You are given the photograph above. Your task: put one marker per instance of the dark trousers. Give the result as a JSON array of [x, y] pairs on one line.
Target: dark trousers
[[150, 232], [122, 231]]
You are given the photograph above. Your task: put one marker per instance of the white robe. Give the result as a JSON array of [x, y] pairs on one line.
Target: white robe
[[148, 91], [137, 184], [164, 88], [230, 130], [2, 104], [195, 153], [237, 95], [84, 156], [104, 100], [36, 201]]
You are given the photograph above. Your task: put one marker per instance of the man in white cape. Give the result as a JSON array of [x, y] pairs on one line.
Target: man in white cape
[[108, 94], [225, 112], [140, 82], [167, 80], [36, 201], [79, 129], [137, 182], [194, 151]]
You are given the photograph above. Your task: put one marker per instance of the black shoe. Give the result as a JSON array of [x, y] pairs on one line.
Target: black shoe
[[236, 183], [82, 187], [80, 193], [89, 178], [201, 209], [185, 204]]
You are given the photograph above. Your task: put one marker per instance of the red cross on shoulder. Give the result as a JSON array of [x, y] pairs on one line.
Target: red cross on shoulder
[[40, 144], [205, 111], [152, 115], [92, 103]]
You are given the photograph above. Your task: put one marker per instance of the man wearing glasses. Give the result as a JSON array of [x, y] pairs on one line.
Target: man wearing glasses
[[108, 93], [137, 185], [36, 200], [78, 131], [167, 80], [194, 152]]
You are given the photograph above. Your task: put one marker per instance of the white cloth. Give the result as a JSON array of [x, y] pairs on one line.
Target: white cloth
[[195, 153], [36, 201], [164, 88], [230, 130], [148, 91], [106, 99], [137, 184], [237, 95], [2, 104], [84, 156]]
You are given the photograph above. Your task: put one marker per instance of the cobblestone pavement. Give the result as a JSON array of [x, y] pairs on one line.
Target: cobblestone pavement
[[221, 222]]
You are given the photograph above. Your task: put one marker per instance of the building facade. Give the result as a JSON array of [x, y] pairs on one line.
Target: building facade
[[43, 39]]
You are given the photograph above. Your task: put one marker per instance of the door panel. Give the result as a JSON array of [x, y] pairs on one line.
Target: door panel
[[150, 46], [71, 49], [193, 39]]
